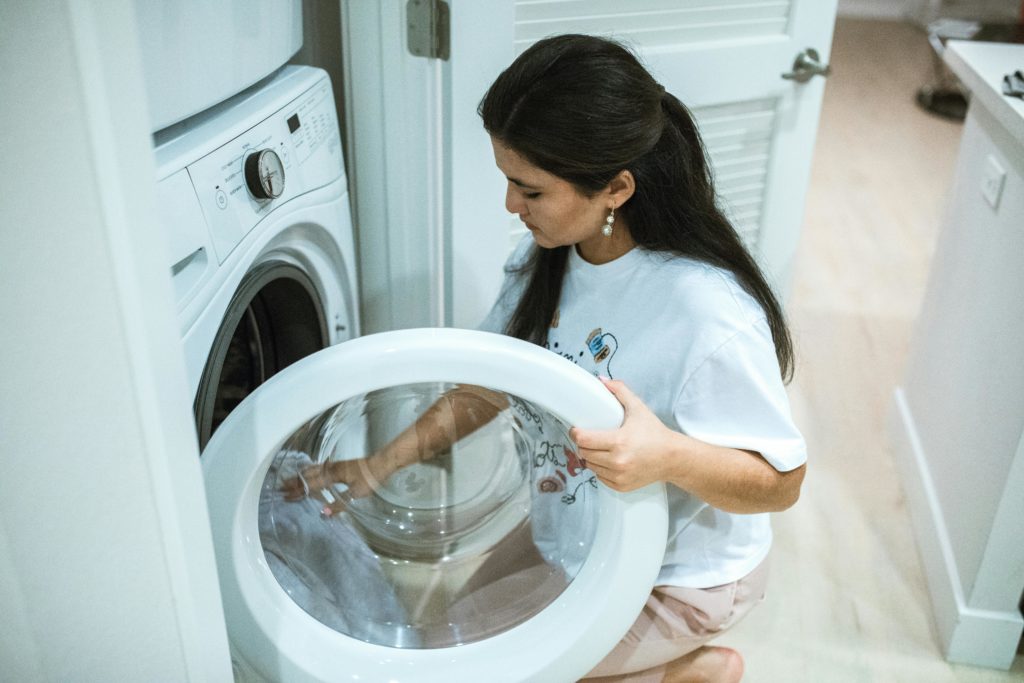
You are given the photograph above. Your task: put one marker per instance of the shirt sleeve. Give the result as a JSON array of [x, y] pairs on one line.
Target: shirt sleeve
[[736, 398]]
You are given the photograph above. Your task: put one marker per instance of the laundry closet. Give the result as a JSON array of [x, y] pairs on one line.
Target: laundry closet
[[247, 172]]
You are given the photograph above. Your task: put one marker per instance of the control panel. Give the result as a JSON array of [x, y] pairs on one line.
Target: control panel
[[294, 151]]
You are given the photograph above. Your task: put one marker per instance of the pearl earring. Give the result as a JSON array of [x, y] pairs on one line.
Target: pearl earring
[[609, 223]]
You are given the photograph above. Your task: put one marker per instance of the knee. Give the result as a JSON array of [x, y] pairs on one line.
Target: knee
[[708, 664], [733, 667]]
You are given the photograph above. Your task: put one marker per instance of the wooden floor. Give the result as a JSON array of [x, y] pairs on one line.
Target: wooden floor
[[847, 600]]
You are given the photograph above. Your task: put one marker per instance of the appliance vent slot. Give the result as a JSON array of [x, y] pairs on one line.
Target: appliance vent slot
[[651, 23]]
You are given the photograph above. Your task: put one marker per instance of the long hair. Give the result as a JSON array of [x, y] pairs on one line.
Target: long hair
[[583, 108]]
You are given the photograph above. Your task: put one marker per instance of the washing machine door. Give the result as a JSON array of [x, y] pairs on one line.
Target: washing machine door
[[466, 540]]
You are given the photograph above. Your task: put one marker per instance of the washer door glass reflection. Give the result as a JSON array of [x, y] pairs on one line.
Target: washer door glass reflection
[[456, 513]]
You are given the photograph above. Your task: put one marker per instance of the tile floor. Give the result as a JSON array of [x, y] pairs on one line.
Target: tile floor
[[848, 600]]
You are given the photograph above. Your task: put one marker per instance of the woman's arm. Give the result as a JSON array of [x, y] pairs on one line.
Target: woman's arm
[[643, 450], [457, 414], [454, 416]]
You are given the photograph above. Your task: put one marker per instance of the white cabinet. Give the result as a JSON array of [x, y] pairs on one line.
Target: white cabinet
[[959, 414]]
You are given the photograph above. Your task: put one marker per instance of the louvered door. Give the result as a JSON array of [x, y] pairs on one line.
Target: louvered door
[[648, 23], [723, 58], [738, 137]]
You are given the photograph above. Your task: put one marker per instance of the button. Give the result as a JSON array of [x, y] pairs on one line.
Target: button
[[222, 200]]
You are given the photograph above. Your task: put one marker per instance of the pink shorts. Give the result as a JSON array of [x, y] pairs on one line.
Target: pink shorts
[[676, 621]]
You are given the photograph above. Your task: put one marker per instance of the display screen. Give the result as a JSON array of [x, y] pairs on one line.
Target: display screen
[[293, 123]]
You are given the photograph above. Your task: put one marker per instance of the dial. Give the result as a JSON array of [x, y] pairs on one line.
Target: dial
[[264, 174]]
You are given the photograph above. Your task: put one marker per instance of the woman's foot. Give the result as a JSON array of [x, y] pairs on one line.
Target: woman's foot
[[708, 664]]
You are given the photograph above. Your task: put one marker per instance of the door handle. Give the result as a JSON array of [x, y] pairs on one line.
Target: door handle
[[806, 66]]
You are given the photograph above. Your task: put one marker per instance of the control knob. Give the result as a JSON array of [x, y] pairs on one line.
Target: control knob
[[264, 174]]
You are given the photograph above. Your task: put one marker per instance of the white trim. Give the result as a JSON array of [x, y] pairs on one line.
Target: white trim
[[21, 651], [482, 46], [967, 635], [394, 105], [127, 203], [94, 401], [436, 178]]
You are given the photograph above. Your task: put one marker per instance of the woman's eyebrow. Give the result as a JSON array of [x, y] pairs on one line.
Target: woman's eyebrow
[[521, 184]]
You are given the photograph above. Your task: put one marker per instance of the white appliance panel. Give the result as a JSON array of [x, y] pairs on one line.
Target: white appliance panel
[[218, 233], [305, 137], [197, 53]]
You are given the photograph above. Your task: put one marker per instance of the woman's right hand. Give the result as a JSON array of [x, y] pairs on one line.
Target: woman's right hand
[[362, 476]]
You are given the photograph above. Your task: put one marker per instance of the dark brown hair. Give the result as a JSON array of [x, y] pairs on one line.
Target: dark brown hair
[[583, 108]]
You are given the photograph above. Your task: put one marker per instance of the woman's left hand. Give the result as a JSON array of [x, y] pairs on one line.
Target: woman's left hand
[[635, 454]]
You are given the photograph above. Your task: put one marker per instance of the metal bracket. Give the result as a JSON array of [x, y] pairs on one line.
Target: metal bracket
[[427, 28]]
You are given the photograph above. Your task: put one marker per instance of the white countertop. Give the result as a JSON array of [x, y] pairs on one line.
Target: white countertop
[[981, 66]]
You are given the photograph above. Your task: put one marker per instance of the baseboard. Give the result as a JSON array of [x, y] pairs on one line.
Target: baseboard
[[969, 636], [873, 9], [985, 638]]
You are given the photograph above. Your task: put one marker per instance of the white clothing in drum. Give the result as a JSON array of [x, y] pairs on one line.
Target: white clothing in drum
[[696, 348]]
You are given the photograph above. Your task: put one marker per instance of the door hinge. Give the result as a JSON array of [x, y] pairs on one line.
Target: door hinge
[[427, 28]]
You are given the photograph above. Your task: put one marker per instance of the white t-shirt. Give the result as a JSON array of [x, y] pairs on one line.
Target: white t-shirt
[[696, 348]]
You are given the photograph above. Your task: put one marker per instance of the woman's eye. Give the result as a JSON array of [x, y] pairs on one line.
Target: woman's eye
[[531, 195]]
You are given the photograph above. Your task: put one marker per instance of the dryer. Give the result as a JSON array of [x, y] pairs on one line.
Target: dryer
[[252, 195], [197, 53]]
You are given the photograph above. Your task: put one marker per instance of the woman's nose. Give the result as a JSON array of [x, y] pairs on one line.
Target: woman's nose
[[513, 201]]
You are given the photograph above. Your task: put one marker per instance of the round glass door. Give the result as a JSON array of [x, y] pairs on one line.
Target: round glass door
[[427, 515], [464, 533]]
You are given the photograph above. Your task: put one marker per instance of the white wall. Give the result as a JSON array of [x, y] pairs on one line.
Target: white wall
[[106, 562]]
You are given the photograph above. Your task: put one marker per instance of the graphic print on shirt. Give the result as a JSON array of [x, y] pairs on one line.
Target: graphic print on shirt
[[525, 412], [602, 347], [556, 465], [557, 475], [558, 470], [599, 346]]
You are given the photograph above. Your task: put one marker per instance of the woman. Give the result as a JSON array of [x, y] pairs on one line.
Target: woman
[[631, 271], [609, 174]]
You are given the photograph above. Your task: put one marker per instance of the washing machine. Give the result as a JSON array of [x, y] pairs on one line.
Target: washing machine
[[253, 198], [483, 549]]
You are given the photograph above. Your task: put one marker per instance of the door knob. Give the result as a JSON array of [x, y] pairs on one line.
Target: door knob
[[806, 66]]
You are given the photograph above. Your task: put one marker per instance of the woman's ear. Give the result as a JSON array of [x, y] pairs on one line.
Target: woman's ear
[[621, 187]]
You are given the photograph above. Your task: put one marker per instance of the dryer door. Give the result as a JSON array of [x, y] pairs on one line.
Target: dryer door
[[467, 540]]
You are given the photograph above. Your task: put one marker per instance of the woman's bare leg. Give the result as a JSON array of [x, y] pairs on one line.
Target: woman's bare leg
[[706, 664]]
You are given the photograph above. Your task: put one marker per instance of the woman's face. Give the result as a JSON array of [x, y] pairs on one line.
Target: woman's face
[[552, 208]]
